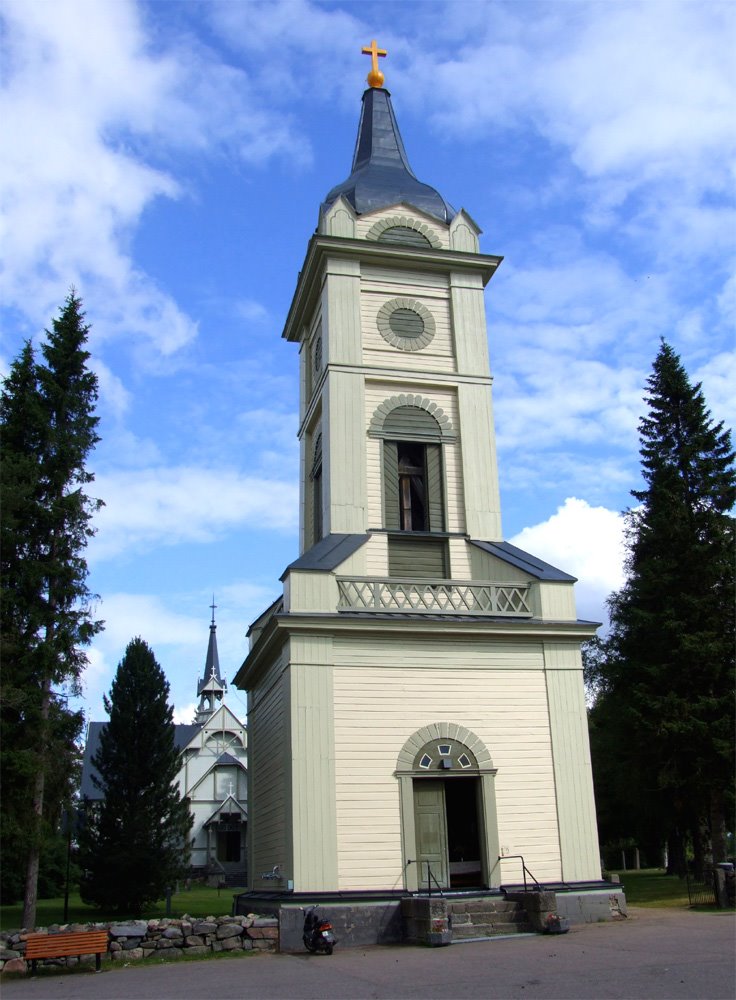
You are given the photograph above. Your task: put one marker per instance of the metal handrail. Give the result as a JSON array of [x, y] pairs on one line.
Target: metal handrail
[[524, 870], [430, 877]]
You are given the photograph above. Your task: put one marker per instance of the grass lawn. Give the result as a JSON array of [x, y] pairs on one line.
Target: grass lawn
[[652, 887], [199, 901]]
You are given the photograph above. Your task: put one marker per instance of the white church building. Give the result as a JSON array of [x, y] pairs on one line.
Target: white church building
[[213, 776]]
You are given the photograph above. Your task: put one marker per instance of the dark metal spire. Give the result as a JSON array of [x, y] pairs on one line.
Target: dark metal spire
[[381, 175], [212, 663]]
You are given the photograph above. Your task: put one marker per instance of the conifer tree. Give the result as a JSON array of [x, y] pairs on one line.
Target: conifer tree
[[668, 672], [49, 430], [137, 843]]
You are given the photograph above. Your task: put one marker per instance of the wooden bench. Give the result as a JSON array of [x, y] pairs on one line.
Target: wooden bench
[[65, 944]]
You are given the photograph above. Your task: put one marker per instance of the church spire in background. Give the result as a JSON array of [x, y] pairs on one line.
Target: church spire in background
[[211, 688]]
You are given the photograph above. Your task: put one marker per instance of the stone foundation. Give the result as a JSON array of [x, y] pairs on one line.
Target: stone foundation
[[136, 940]]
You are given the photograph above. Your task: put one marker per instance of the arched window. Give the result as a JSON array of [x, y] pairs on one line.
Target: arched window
[[413, 485], [404, 235]]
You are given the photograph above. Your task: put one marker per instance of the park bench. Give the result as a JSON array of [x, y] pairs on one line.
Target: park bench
[[65, 944]]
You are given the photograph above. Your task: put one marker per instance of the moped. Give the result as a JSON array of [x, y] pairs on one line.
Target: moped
[[318, 934]]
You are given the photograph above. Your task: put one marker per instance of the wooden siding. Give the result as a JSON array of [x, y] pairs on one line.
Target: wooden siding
[[378, 707], [460, 568], [417, 558], [437, 356], [341, 312], [313, 764], [480, 477], [556, 601], [344, 454], [374, 482], [376, 555], [469, 321], [572, 767], [269, 777], [484, 566], [309, 591]]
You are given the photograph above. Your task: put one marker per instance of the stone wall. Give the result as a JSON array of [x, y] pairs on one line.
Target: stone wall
[[136, 940]]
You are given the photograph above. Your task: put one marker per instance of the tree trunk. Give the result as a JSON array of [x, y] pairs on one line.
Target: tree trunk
[[718, 825], [39, 785], [676, 863], [700, 848]]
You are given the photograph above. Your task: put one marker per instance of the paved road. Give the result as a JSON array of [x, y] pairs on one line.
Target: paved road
[[654, 955]]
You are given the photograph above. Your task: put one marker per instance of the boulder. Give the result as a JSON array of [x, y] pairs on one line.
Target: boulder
[[229, 930], [15, 965], [204, 927], [232, 944]]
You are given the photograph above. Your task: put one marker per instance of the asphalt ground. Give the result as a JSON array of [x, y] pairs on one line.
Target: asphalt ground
[[653, 955]]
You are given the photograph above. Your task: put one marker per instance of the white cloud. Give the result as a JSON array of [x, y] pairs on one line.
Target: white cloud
[[637, 96], [92, 112], [586, 542], [168, 506], [550, 400], [718, 377], [185, 714]]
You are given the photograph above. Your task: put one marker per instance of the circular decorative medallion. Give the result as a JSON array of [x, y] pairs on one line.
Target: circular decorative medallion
[[406, 324]]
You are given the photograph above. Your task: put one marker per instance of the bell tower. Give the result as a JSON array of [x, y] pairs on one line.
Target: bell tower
[[416, 708]]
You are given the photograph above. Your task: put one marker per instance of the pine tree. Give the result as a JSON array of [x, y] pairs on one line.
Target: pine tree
[[49, 429], [670, 657], [137, 844]]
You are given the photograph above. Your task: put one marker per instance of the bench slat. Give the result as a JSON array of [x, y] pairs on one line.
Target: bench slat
[[58, 945]]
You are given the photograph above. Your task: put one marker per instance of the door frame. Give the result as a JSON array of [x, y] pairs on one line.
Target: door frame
[[407, 770]]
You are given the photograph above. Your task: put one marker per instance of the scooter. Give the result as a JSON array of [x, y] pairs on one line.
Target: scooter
[[318, 934]]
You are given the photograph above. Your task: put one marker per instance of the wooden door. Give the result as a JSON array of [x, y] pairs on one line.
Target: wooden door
[[431, 829]]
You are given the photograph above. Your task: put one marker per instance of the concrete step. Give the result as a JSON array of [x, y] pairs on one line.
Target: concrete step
[[461, 932], [483, 906]]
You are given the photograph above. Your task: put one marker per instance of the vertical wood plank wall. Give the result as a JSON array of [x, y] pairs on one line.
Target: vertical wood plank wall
[[499, 692], [313, 763], [269, 782], [572, 765]]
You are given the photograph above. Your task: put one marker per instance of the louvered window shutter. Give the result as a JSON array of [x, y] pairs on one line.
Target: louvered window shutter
[[435, 500], [391, 485]]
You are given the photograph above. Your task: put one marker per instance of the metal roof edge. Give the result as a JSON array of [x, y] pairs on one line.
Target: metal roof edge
[[522, 560]]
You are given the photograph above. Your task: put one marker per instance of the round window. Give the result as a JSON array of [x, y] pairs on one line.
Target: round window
[[406, 324]]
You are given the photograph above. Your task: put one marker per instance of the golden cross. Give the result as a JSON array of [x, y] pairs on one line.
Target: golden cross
[[375, 77]]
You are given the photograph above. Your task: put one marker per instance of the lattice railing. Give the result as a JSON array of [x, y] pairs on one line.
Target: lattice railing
[[447, 597]]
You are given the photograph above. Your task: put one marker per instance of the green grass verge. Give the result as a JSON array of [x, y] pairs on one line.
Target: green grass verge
[[199, 901], [653, 887]]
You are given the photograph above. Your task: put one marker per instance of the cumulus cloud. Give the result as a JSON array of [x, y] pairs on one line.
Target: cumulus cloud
[[99, 113], [185, 714], [586, 542], [175, 625], [168, 506]]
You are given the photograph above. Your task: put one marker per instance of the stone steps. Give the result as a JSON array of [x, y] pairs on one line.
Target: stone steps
[[483, 917]]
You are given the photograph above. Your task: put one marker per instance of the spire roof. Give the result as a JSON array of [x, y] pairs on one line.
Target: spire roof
[[212, 676], [381, 175]]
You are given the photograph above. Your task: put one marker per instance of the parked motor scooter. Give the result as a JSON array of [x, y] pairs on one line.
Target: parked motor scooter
[[318, 934]]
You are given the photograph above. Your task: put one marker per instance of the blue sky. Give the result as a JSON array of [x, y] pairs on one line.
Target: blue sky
[[169, 159]]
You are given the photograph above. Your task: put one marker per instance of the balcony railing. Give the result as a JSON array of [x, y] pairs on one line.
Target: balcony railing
[[445, 597]]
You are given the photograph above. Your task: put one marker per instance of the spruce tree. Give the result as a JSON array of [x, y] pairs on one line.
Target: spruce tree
[[669, 661], [136, 842], [49, 430]]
